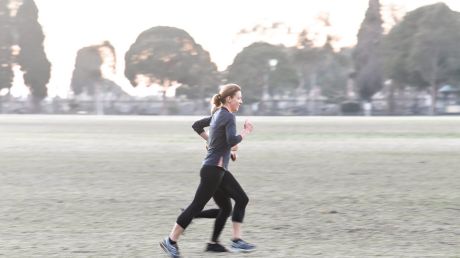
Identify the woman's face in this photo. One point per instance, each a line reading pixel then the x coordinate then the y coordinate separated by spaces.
pixel 235 102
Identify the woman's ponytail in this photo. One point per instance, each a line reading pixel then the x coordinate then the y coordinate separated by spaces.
pixel 216 102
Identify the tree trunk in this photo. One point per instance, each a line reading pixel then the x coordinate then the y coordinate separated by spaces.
pixel 433 80
pixel 434 96
pixel 98 103
pixel 391 98
pixel 164 104
pixel 367 108
pixel 36 105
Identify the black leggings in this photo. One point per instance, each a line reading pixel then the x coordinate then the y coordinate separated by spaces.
pixel 208 214
pixel 220 185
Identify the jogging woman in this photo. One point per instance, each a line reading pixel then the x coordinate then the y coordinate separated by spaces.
pixel 215 177
pixel 221 198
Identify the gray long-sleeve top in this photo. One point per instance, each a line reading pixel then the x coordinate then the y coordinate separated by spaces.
pixel 222 136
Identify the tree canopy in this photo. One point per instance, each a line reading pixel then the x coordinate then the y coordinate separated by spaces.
pixel 422 50
pixel 87 70
pixel 367 55
pixel 32 57
pixel 166 55
pixel 251 65
pixel 322 67
pixel 93 65
pixel 6 42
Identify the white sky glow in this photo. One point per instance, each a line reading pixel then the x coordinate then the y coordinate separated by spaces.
pixel 72 24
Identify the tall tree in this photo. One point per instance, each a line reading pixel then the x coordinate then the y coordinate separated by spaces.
pixel 94 66
pixel 32 57
pixel 306 58
pixel 251 69
pixel 333 72
pixel 168 55
pixel 321 66
pixel 87 71
pixel 6 42
pixel 109 56
pixel 367 55
pixel 422 50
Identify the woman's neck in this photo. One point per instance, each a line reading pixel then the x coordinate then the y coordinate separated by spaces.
pixel 227 107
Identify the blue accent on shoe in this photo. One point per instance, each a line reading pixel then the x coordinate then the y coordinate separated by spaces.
pixel 242 246
pixel 170 249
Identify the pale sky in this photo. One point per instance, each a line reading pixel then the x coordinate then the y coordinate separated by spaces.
pixel 72 24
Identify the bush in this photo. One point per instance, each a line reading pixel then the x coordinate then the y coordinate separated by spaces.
pixel 350 107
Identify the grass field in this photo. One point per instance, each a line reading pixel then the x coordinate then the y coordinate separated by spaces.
pixel 87 186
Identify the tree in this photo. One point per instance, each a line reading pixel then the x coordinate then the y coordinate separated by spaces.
pixel 306 58
pixel 367 55
pixel 422 50
pixel 6 43
pixel 168 55
pixel 93 66
pixel 108 56
pixel 87 70
pixel 333 72
pixel 251 70
pixel 321 66
pixel 32 57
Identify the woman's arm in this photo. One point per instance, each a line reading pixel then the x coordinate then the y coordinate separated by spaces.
pixel 199 126
pixel 230 131
pixel 204 135
pixel 232 138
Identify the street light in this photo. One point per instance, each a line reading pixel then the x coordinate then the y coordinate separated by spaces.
pixel 272 63
pixel 270 66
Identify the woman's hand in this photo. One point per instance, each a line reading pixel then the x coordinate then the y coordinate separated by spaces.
pixel 247 128
pixel 233 155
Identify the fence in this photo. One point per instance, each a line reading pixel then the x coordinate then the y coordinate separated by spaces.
pixel 298 106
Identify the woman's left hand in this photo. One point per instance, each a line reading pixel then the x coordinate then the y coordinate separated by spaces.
pixel 233 155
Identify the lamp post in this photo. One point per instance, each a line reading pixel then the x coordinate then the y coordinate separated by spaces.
pixel 272 67
pixel 265 90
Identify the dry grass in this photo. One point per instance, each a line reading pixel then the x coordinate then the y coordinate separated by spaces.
pixel 81 186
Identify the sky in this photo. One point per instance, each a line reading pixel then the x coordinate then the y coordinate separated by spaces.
pixel 72 24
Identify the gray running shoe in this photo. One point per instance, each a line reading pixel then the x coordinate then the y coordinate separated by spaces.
pixel 242 246
pixel 170 249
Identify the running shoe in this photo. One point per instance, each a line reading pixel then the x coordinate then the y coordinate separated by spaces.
pixel 170 249
pixel 216 248
pixel 242 246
